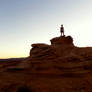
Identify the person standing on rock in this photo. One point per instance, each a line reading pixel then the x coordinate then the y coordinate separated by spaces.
pixel 62 30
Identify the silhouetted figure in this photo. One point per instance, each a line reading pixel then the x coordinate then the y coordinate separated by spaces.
pixel 62 30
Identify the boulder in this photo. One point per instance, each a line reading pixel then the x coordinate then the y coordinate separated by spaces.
pixel 62 40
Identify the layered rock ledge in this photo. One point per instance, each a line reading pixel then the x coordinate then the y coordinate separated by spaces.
pixel 60 58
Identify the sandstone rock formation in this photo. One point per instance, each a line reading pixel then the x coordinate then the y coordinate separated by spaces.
pixel 59 67
pixel 60 58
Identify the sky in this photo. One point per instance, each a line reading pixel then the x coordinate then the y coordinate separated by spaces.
pixel 24 22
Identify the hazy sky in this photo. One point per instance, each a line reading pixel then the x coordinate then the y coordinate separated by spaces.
pixel 23 22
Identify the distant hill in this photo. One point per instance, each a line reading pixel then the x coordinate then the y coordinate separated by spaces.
pixel 12 59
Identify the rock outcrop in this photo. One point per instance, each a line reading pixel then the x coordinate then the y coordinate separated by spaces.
pixel 59 67
pixel 58 47
pixel 60 58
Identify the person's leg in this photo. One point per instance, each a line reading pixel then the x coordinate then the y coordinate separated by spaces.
pixel 63 33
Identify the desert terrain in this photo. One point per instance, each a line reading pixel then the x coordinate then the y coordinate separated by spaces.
pixel 59 67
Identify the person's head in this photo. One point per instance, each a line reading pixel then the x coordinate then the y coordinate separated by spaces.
pixel 62 25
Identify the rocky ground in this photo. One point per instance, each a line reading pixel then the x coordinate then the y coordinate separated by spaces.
pixel 59 67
